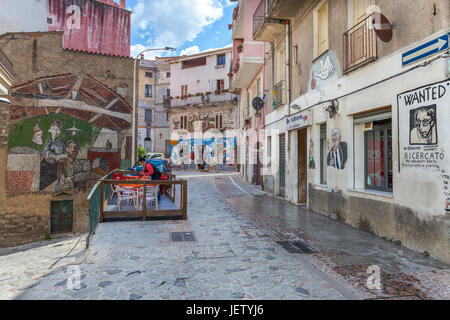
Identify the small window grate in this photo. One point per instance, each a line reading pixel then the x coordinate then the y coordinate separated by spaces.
pixel 182 236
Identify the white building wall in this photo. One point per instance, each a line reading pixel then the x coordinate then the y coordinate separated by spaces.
pixel 24 16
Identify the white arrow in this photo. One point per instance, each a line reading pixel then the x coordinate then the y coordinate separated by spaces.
pixel 438 45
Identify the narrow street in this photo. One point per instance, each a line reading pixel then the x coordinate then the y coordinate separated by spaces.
pixel 242 251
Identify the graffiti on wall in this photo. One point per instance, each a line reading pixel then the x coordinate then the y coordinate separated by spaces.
pixel 422 145
pixel 65 132
pixel 337 156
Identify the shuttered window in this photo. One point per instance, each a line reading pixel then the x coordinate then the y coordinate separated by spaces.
pixel 323 29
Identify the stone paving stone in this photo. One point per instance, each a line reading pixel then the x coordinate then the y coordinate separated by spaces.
pixel 234 258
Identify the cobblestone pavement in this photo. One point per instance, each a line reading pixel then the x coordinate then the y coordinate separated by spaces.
pixel 240 253
pixel 22 267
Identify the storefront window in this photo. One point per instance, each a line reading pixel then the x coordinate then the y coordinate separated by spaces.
pixel 378 157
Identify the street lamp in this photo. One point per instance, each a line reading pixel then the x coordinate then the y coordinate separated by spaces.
pixel 133 155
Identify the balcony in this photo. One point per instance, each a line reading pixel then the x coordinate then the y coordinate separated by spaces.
pixel 360 45
pixel 6 64
pixel 247 65
pixel 279 93
pixel 270 17
pixel 238 21
pixel 204 100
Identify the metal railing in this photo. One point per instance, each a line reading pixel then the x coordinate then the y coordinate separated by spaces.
pixel 6 63
pixel 360 45
pixel 259 16
pixel 279 93
pixel 203 99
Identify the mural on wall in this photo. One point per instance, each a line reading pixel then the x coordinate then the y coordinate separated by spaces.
pixel 422 125
pixel 422 146
pixel 337 156
pixel 64 132
pixel 323 70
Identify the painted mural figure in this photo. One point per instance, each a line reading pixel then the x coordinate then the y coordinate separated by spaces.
pixel 66 168
pixel 337 157
pixel 423 126
pixel 55 148
pixel 37 134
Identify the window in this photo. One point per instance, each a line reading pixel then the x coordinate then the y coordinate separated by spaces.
pixel 148 115
pixel 360 10
pixel 323 154
pixel 184 90
pixel 219 123
pixel 282 65
pixel 221 60
pixel 168 93
pixel 168 75
pixel 148 91
pixel 149 74
pixel 183 122
pixel 378 156
pixel 220 85
pixel 167 116
pixel 258 88
pixel 322 29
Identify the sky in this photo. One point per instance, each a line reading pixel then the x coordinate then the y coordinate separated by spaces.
pixel 190 26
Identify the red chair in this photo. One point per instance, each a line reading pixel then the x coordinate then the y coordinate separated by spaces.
pixel 163 187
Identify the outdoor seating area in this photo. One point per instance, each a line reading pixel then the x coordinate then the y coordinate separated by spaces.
pixel 128 196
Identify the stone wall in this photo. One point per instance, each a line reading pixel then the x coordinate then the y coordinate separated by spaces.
pixel 91 119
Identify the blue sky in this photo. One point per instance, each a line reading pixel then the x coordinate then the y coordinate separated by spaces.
pixel 191 26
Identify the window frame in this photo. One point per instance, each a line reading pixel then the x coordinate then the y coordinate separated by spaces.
pixel 385 127
pixel 148 93
pixel 148 112
pixel 148 74
pixel 219 58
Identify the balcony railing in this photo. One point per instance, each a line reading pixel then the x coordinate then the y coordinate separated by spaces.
pixel 279 93
pixel 203 100
pixel 6 63
pixel 259 16
pixel 360 45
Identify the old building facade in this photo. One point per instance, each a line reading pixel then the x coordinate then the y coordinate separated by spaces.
pixel 248 73
pixel 96 26
pixel 66 129
pixel 203 111
pixel 358 112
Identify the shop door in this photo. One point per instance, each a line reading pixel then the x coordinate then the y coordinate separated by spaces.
pixel 282 165
pixel 302 166
pixel 61 216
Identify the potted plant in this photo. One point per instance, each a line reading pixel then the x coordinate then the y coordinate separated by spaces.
pixel 208 93
pixel 217 91
pixel 190 95
pixel 177 97
pixel 240 48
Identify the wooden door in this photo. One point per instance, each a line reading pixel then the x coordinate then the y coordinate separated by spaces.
pixel 61 216
pixel 302 166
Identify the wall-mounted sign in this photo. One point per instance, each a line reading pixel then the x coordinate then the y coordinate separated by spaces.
pixel 383 29
pixel 299 120
pixel 426 50
pixel 424 132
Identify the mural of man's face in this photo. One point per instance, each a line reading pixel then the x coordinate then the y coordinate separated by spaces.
pixel 335 141
pixel 424 123
pixel 55 131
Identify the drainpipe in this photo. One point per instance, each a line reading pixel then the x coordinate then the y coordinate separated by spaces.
pixel 288 104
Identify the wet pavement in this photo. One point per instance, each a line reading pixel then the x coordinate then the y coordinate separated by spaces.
pixel 241 251
pixel 343 252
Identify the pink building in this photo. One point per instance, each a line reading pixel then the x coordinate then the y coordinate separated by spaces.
pixel 248 75
pixel 96 26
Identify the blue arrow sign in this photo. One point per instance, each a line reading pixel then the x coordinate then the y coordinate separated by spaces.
pixel 425 50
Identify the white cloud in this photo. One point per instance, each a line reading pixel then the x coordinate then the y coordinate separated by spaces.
pixel 173 23
pixel 190 50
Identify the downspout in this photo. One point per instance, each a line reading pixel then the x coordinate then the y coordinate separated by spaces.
pixel 288 104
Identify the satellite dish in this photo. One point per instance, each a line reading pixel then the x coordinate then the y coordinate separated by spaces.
pixel 257 103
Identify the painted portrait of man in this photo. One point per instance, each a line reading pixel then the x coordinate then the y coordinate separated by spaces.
pixel 337 157
pixel 423 126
